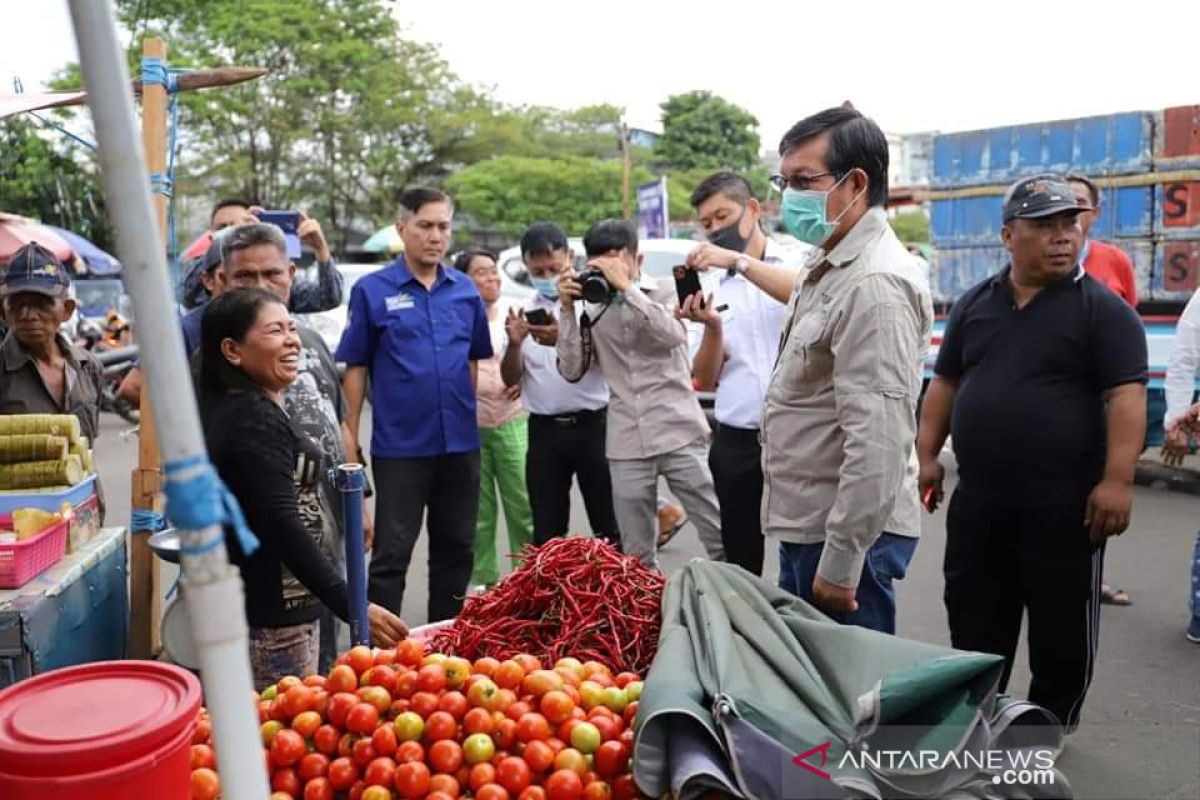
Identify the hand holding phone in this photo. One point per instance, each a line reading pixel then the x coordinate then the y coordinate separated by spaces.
pixel 537 316
pixel 687 283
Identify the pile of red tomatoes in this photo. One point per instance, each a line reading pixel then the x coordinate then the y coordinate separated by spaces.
pixel 403 723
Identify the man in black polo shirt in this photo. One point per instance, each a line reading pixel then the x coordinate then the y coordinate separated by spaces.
pixel 1041 380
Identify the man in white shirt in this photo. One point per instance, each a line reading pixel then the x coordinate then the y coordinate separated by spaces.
pixel 566 420
pixel 734 353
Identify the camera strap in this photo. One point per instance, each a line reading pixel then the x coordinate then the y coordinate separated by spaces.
pixel 586 343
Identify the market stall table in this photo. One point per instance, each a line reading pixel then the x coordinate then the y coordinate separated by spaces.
pixel 74 613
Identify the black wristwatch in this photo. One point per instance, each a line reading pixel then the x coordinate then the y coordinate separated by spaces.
pixel 368 490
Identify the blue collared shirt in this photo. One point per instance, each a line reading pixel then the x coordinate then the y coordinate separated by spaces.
pixel 190 322
pixel 417 344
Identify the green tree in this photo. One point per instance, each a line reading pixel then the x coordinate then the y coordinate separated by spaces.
pixel 510 192
pixel 704 131
pixel 911 227
pixel 51 179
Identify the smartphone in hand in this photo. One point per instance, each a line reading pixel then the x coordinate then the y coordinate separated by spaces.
pixel 687 283
pixel 286 221
pixel 537 316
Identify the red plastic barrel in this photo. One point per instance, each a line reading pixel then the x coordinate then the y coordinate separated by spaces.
pixel 113 730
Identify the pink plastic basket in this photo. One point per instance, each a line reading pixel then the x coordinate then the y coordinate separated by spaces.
pixel 23 561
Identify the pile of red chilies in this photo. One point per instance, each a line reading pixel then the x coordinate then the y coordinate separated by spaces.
pixel 572 597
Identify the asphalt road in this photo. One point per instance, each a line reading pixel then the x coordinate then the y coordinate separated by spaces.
pixel 1140 736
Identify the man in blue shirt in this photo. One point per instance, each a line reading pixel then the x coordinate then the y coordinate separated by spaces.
pixel 417 328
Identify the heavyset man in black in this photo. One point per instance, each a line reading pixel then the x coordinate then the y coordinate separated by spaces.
pixel 1041 382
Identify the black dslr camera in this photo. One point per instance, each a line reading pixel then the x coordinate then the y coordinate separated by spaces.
pixel 595 287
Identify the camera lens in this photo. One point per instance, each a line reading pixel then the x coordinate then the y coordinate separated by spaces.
pixel 595 287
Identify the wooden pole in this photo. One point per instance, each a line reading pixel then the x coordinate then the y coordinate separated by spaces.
pixel 626 169
pixel 144 583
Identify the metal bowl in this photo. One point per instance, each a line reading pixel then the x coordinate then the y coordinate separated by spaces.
pixel 165 545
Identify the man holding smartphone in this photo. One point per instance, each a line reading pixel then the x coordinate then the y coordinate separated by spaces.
pixel 655 425
pixel 736 352
pixel 566 420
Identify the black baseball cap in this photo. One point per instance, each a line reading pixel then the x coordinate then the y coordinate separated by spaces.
pixel 1039 196
pixel 33 268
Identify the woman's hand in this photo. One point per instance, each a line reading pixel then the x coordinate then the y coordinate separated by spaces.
pixel 386 627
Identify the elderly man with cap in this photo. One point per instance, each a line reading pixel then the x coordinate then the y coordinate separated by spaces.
pixel 43 372
pixel 1041 380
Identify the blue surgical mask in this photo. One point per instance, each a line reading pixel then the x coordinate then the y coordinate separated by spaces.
pixel 804 213
pixel 546 287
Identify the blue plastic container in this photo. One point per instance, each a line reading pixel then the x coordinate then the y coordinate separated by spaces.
pixel 48 501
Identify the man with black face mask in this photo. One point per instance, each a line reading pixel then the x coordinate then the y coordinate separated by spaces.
pixel 735 355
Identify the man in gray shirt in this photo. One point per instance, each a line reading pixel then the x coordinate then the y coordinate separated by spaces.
pixel 655 423
pixel 839 424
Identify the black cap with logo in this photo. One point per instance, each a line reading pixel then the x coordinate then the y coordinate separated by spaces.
pixel 33 268
pixel 1039 196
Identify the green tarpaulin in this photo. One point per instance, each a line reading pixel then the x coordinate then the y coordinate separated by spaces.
pixel 748 677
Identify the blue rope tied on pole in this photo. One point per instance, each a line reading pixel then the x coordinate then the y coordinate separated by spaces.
pixel 155 71
pixel 147 520
pixel 198 500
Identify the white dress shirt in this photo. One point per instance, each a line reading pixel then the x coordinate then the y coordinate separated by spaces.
pixel 543 390
pixel 1180 383
pixel 752 324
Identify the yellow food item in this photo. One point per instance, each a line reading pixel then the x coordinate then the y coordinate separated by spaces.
pixel 40 474
pixel 57 424
pixel 31 521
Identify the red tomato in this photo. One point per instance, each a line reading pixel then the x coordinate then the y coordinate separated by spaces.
pixel 205 784
pixel 325 740
pixel 563 785
pixel 571 760
pixel 306 723
pixel 339 706
pixel 380 772
pixel 509 674
pixel 630 712
pixel 625 678
pixel 532 793
pixel 431 678
pixel 203 732
pixel 446 784
pixel 372 793
pixel 346 744
pixel 454 703
pixel 513 774
pixel 363 753
pixel 445 755
pixel 406 684
pixel 480 775
pixel 341 679
pixel 564 730
pixel 607 726
pixel 313 765
pixel 376 696
pixel 383 676
pixel 623 788
pixel 285 780
pixel 287 748
pixel 342 774
pixel 485 666
pixel 491 791
pixel 363 718
pixel 410 652
pixel 360 659
pixel 539 755
pixel 203 756
pixel 528 663
pixel 597 790
pixel 505 734
pixel 412 780
pixel 478 720
pixel 556 707
pixel 611 759
pixel 556 744
pixel 409 751
pixel 518 710
pixel 318 789
pixel 384 740
pixel 533 727
pixel 439 726
pixel 298 699
pixel 315 681
pixel 538 682
pixel 385 657
pixel 626 738
pixel 423 704
pixel 287 682
pixel 439 796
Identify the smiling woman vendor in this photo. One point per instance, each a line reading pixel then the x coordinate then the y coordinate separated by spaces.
pixel 250 353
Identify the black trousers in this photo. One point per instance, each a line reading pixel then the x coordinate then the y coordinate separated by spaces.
pixel 735 459
pixel 562 447
pixel 1004 561
pixel 448 487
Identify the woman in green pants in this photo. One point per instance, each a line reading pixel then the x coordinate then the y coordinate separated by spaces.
pixel 503 433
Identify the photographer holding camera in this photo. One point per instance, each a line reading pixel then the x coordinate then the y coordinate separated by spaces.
pixel 655 424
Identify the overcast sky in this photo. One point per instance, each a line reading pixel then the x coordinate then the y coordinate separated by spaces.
pixel 914 65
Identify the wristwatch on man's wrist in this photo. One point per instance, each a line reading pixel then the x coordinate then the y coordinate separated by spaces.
pixel 742 264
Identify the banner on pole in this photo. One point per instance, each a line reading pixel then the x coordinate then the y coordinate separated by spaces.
pixel 652 210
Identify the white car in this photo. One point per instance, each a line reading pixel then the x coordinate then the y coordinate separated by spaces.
pixel 330 324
